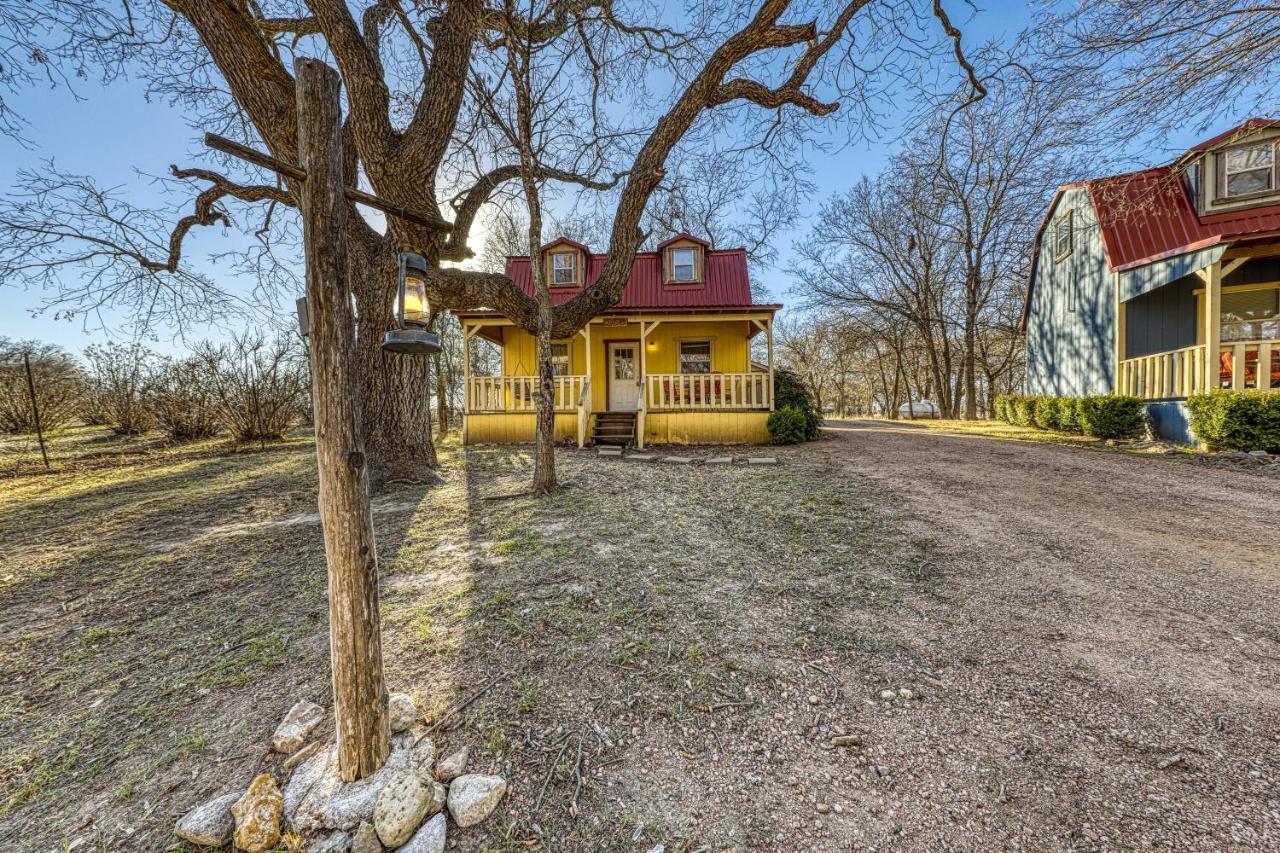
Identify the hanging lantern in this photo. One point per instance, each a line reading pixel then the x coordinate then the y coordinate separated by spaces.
pixel 410 334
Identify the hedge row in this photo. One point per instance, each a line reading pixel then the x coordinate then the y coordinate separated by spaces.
pixel 1101 417
pixel 1237 420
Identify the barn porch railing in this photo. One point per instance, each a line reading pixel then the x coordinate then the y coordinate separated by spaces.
pixel 1183 372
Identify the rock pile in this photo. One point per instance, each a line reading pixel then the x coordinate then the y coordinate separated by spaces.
pixel 403 806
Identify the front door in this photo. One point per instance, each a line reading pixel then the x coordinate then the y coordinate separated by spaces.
pixel 624 393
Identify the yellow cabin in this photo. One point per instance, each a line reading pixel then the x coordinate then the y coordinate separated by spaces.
pixel 670 363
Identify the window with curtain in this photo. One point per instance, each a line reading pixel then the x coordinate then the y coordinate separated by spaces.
pixel 695 356
pixel 1251 315
pixel 560 359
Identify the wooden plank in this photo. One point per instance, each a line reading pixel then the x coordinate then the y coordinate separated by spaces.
pixel 1264 366
pixel 1238 353
pixel 1212 323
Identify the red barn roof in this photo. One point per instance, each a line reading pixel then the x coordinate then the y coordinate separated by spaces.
pixel 725 282
pixel 1148 215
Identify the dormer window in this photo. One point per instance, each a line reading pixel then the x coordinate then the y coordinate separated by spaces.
pixel 684 264
pixel 1247 170
pixel 564 268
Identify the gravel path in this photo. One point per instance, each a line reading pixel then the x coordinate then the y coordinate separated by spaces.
pixel 1105 654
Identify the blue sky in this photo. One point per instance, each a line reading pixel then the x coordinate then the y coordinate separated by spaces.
pixel 112 131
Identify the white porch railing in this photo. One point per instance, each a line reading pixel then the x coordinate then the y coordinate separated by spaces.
pixel 693 391
pixel 1183 372
pixel 519 393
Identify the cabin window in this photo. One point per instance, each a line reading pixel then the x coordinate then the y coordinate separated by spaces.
pixel 1251 315
pixel 684 265
pixel 1062 236
pixel 1247 170
pixel 560 359
pixel 564 268
pixel 695 356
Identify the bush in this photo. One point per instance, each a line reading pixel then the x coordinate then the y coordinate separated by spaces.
pixel 1024 411
pixel 1067 414
pixel 788 425
pixel 789 391
pixel 116 393
pixel 1003 407
pixel 1109 416
pixel 1044 412
pixel 260 385
pixel 1237 420
pixel 180 396
pixel 57 379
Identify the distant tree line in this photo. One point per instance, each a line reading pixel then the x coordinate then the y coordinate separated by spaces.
pixel 254 387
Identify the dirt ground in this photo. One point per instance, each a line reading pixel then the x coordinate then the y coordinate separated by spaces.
pixel 662 654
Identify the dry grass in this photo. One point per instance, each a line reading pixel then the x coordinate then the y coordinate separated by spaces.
pixel 160 608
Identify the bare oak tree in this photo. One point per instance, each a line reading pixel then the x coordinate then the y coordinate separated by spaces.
pixel 413 132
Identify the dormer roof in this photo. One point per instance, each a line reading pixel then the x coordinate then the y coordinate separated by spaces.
pixel 1235 134
pixel 565 241
pixel 682 236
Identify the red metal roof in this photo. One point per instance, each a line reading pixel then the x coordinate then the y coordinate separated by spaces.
pixel 1148 215
pixel 725 285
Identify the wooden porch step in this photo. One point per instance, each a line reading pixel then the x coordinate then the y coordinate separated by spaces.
pixel 615 428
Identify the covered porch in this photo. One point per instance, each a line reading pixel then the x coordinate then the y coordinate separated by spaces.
pixel 685 377
pixel 1223 319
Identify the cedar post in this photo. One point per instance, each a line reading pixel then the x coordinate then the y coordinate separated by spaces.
pixel 355 641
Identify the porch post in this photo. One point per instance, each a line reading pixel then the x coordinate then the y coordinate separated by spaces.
pixel 1121 326
pixel 1212 326
pixel 768 331
pixel 586 331
pixel 466 378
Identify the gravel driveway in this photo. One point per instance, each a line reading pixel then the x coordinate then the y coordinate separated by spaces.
pixel 1106 646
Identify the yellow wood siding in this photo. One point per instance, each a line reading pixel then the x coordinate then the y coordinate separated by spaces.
pixel 706 428
pixel 515 428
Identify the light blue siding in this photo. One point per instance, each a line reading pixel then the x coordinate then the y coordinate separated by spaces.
pixel 1071 342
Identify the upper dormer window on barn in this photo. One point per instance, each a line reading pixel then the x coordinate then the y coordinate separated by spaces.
pixel 1247 170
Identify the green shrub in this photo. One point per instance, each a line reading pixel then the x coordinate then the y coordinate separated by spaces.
pixel 787 425
pixel 1044 412
pixel 789 391
pixel 1004 407
pixel 1024 411
pixel 1110 416
pixel 1066 415
pixel 1237 420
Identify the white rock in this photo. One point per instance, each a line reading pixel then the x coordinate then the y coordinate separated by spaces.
pixel 888 695
pixel 473 797
pixel 402 804
pixel 324 801
pixel 429 839
pixel 452 765
pixel 209 824
pixel 366 840
pixel 293 730
pixel 334 842
pixel 905 693
pixel 401 711
pixel 439 794
pixel 424 755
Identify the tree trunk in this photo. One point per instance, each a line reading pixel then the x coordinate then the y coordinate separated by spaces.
pixel 442 397
pixel 970 358
pixel 395 395
pixel 544 463
pixel 355 639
